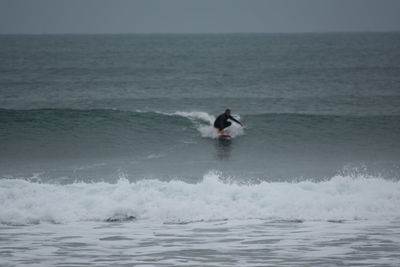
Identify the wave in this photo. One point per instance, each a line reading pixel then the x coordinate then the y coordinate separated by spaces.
pixel 105 126
pixel 103 119
pixel 270 145
pixel 35 115
pixel 214 198
pixel 155 120
pixel 119 129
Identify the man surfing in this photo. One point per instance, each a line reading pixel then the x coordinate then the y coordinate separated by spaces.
pixel 222 122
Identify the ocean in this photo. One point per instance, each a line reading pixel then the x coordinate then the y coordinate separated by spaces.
pixel 108 155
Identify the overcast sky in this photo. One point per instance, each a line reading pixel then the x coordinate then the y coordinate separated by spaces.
pixel 201 16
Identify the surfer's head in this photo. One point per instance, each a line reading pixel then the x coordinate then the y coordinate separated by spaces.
pixel 227 111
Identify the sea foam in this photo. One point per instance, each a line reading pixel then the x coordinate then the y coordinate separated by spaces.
pixel 205 121
pixel 340 198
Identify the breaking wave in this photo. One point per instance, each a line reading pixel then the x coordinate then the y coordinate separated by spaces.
pixel 214 198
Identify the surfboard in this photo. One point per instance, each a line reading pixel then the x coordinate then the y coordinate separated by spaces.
pixel 224 136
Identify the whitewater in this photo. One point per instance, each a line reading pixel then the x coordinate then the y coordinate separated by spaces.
pixel 214 198
pixel 219 220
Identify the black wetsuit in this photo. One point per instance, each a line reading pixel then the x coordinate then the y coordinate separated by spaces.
pixel 222 121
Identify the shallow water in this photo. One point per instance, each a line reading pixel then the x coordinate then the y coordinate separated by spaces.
pixel 213 243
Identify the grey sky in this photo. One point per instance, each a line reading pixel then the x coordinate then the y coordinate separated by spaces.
pixel 189 16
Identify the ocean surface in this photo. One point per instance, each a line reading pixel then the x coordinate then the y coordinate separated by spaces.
pixel 108 155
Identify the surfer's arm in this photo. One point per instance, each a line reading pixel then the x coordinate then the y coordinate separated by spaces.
pixel 235 120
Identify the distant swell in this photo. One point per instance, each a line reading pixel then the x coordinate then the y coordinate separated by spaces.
pixel 100 123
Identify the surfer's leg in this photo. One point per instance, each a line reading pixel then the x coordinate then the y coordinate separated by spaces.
pixel 227 124
pixel 221 130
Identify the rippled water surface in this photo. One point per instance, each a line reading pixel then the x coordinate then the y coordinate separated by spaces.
pixel 216 243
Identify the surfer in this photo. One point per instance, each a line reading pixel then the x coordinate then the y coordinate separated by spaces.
pixel 222 122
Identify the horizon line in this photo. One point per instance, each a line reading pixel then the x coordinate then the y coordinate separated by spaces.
pixel 203 33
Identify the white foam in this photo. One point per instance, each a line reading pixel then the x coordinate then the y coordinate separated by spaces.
pixel 199 115
pixel 205 123
pixel 341 198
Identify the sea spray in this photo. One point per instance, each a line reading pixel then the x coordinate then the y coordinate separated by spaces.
pixel 207 130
